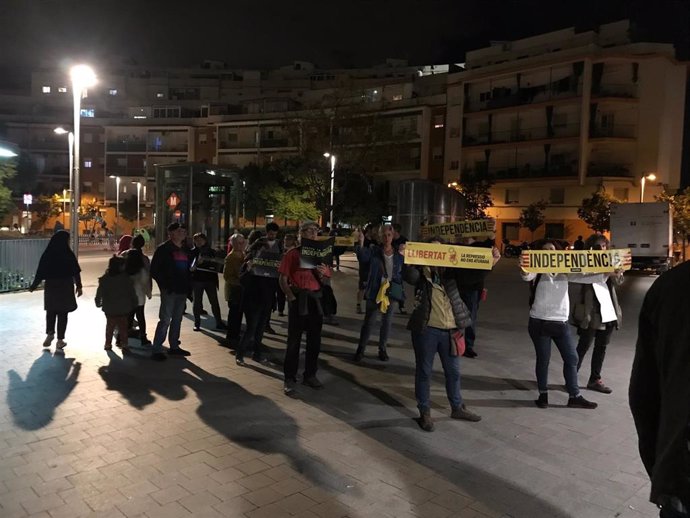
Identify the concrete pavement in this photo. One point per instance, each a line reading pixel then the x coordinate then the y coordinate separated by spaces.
pixel 90 433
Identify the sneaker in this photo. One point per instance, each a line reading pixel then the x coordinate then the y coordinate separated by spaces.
pixel 108 347
pixel 425 422
pixel 542 401
pixel 464 414
pixel 240 361
pixel 598 386
pixel 270 330
pixel 60 344
pixel 220 326
pixel 313 382
pixel 145 341
pixel 48 340
pixel 469 353
pixel 203 312
pixel 263 360
pixel 197 326
pixel 178 351
pixel 383 356
pixel 289 387
pixel 580 402
pixel 357 358
pixel 159 357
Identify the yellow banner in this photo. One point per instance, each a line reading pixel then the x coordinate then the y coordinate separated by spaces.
pixel 452 256
pixel 347 242
pixel 575 261
pixel 459 229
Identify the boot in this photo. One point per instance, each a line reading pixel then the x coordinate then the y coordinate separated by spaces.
pixel 425 422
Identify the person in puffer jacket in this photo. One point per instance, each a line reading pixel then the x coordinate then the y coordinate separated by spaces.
pixel 439 314
pixel 117 298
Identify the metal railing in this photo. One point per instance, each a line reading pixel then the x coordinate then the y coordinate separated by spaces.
pixel 522 135
pixel 18 262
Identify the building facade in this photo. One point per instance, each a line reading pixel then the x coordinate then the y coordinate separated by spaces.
pixel 556 116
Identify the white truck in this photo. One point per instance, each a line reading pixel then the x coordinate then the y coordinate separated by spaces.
pixel 647 229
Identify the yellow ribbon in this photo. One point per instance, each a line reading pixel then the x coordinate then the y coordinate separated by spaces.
pixel 382 296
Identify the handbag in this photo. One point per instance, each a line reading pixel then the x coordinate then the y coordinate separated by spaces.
pixel 457 343
pixel 396 292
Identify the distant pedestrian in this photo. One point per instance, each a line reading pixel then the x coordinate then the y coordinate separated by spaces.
pixel 579 244
pixel 398 241
pixel 124 244
pixel 59 268
pixel 233 288
pixel 138 267
pixel 660 390
pixel 170 270
pixel 117 297
pixel 204 281
pixel 366 239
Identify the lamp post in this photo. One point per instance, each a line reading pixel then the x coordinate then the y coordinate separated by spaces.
pixel 332 157
pixel 82 77
pixel 70 188
pixel 117 203
pixel 138 201
pixel 651 177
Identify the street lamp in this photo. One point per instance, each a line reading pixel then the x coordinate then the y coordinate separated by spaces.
pixel 651 177
pixel 332 157
pixel 117 203
pixel 82 77
pixel 138 200
pixel 70 188
pixel 7 150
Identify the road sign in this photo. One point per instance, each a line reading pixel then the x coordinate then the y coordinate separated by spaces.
pixel 28 199
pixel 173 200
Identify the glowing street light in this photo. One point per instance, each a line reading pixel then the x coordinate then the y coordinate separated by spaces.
pixel 651 177
pixel 70 188
pixel 332 157
pixel 82 77
pixel 117 203
pixel 138 184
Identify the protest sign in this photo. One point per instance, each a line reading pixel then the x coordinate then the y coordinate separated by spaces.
pixel 452 256
pixel 266 264
pixel 575 261
pixel 207 263
pixel 315 252
pixel 459 229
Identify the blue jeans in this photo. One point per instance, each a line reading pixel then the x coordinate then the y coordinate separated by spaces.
pixel 426 344
pixel 372 310
pixel 542 332
pixel 471 300
pixel 169 317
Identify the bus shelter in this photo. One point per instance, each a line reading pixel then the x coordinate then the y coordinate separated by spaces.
pixel 199 196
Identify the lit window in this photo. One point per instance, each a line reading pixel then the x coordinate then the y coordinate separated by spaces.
pixel 160 95
pixel 46 89
pixel 87 163
pixel 439 121
pixel 62 89
pixel 87 112
pixel 398 97
pixel 112 91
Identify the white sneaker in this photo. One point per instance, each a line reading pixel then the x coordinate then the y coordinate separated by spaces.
pixel 48 340
pixel 60 344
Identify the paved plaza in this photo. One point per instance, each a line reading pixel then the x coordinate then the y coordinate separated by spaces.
pixel 90 433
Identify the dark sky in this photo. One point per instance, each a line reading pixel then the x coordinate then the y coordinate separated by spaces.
pixel 270 33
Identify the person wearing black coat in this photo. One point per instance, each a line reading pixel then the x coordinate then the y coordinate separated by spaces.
pixel 660 390
pixel 204 281
pixel 59 268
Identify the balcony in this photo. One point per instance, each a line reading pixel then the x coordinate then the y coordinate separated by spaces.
pixel 612 170
pixel 507 97
pixel 522 135
pixel 275 142
pixel 526 171
pixel 48 144
pixel 126 146
pixel 237 144
pixel 122 170
pixel 626 131
pixel 625 91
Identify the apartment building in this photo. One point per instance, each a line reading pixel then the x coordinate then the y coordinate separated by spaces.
pixel 554 117
pixel 136 118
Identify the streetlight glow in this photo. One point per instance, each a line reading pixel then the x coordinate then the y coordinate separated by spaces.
pixel 332 157
pixel 117 203
pixel 60 130
pixel 651 177
pixel 82 77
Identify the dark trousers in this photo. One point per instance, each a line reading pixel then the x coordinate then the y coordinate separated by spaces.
pixel 211 292
pixel 471 300
pixel 141 319
pixel 256 319
pixel 119 322
pixel 600 338
pixel 61 318
pixel 280 299
pixel 542 333
pixel 298 324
